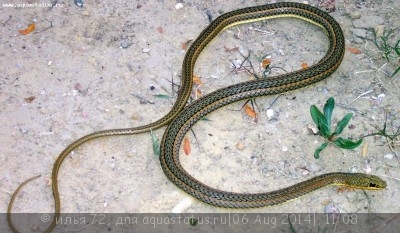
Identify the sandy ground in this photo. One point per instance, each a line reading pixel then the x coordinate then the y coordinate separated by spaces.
pixel 100 67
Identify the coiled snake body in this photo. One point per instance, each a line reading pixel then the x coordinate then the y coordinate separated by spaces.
pixel 181 120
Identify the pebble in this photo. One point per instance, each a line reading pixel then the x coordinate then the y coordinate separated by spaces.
pixel 379 30
pixel 331 209
pixel 314 167
pixel 85 13
pixel 124 44
pixel 182 206
pixel 313 129
pixel 24 130
pixel 270 113
pixel 240 145
pixel 366 21
pixel 325 90
pixel 355 15
pixel 359 32
pixel 179 6
pixel 388 156
pixel 146 50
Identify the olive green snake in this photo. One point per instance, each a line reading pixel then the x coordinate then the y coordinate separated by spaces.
pixel 181 117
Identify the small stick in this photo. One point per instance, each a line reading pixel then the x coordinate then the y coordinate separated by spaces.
pixel 142 98
pixel 386 223
pixel 6 191
pixel 51 25
pixel 364 71
pixel 361 95
pixel 9 18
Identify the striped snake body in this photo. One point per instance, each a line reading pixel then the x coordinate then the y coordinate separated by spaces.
pixel 181 120
pixel 176 130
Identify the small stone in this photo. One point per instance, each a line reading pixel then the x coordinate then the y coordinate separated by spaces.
pixel 146 50
pixel 85 13
pixel 379 30
pixel 304 171
pixel 314 167
pixel 240 145
pixel 370 21
pixel 270 113
pixel 359 32
pixel 357 40
pixel 388 156
pixel 313 129
pixel 355 15
pixel 182 206
pixel 135 117
pixel 179 6
pixel 24 130
pixel 124 44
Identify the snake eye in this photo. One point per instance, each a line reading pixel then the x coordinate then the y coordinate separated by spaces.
pixel 372 185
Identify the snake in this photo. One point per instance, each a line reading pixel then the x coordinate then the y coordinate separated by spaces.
pixel 182 116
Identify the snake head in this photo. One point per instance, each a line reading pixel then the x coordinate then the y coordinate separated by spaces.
pixel 370 182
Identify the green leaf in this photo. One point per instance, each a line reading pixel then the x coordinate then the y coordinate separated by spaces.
pixel 319 149
pixel 161 96
pixel 317 115
pixel 156 144
pixel 205 119
pixel 395 72
pixel 324 130
pixel 346 143
pixel 328 109
pixel 397 47
pixel 343 123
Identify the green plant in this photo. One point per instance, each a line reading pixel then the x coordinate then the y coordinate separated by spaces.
pixel 323 122
pixel 389 52
pixel 393 138
pixel 156 144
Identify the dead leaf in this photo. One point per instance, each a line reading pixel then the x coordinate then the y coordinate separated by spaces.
pixel 250 111
pixel 354 50
pixel 79 88
pixel 304 65
pixel 48 181
pixel 185 44
pixel 186 146
pixel 160 30
pixel 344 189
pixel 265 63
pixel 197 80
pixel 199 94
pixel 364 150
pixel 234 49
pixel 27 30
pixel 329 5
pixel 29 99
